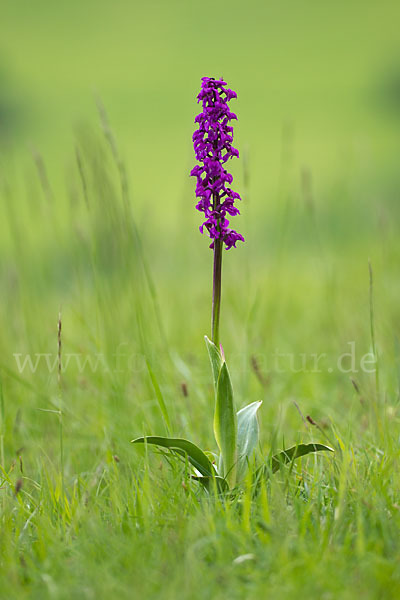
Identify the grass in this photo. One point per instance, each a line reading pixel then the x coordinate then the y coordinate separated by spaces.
pixel 110 237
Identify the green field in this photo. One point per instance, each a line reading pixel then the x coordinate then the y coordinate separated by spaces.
pixel 98 221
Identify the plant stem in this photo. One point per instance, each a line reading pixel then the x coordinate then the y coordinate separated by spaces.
pixel 60 414
pixel 216 300
pixel 372 326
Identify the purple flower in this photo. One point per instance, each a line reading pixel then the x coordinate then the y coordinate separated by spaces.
pixel 213 148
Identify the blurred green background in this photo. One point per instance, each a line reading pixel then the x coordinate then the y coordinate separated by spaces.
pixel 318 131
pixel 328 73
pixel 97 106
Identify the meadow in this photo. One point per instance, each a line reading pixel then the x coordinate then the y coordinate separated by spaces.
pixel 98 223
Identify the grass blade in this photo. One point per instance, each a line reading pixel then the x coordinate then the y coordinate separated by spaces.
pixel 220 483
pixel 159 397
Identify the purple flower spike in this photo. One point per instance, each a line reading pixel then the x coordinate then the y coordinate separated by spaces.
pixel 213 148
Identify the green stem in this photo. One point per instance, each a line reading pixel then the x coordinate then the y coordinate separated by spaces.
pixel 60 413
pixel 60 417
pixel 372 327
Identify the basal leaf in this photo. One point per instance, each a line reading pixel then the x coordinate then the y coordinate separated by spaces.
pixel 247 436
pixel 291 454
pixel 183 447
pixel 225 425
pixel 215 359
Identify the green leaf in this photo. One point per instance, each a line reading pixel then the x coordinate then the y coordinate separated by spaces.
pixel 208 482
pixel 247 427
pixel 291 454
pixel 215 360
pixel 225 425
pixel 183 447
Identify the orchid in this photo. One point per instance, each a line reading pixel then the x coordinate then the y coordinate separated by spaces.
pixel 236 432
pixel 213 148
